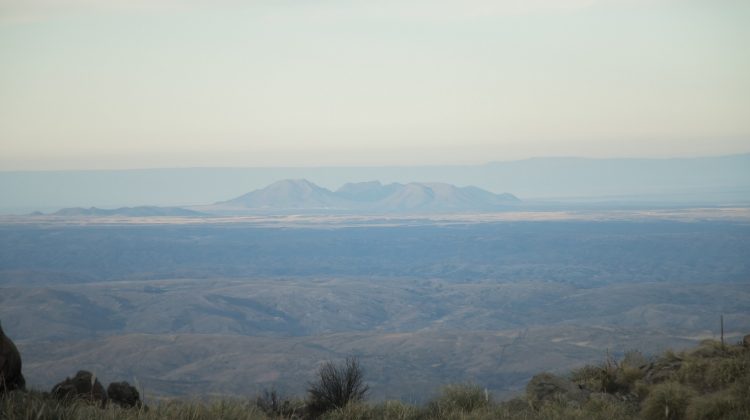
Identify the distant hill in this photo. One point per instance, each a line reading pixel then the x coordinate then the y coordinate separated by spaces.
pixel 300 194
pixel 141 211
pixel 288 194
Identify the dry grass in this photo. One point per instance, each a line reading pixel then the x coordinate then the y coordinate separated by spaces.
pixel 36 405
pixel 710 382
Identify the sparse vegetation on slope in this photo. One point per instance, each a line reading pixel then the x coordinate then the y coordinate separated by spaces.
pixel 711 381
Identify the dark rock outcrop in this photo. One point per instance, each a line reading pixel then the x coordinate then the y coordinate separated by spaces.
pixel 84 386
pixel 548 387
pixel 746 341
pixel 124 395
pixel 11 377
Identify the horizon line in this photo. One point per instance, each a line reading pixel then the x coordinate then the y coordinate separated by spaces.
pixel 559 157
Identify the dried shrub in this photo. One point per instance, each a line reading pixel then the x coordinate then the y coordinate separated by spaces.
pixel 273 405
pixel 337 386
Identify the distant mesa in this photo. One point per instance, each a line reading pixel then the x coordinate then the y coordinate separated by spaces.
pixel 300 194
pixel 141 211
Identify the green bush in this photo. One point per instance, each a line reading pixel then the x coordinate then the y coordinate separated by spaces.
pixel 741 390
pixel 464 398
pixel 667 401
pixel 589 376
pixel 716 406
pixel 641 389
pixel 612 377
pixel 709 374
pixel 630 370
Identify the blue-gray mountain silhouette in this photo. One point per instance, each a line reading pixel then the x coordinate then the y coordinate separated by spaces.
pixel 301 194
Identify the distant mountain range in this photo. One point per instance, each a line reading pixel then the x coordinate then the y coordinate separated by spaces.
pixel 300 194
pixel 140 211
pixel 682 182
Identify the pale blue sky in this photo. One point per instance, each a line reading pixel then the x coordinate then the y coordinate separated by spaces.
pixel 90 84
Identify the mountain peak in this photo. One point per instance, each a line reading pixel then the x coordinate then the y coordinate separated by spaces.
pixel 287 194
pixel 300 182
pixel 371 196
pixel 294 185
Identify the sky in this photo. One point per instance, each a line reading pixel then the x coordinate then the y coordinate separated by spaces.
pixel 116 84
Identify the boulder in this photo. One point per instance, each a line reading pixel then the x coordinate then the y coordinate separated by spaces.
pixel 548 387
pixel 124 395
pixel 10 365
pixel 84 386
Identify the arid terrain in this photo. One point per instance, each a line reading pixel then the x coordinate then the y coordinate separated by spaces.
pixel 200 306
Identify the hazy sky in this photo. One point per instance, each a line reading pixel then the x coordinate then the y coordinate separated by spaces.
pixel 162 83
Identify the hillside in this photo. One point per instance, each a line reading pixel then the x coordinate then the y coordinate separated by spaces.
pixel 231 309
pixel 708 382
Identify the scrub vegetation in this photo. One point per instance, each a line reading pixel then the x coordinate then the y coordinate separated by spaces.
pixel 710 381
